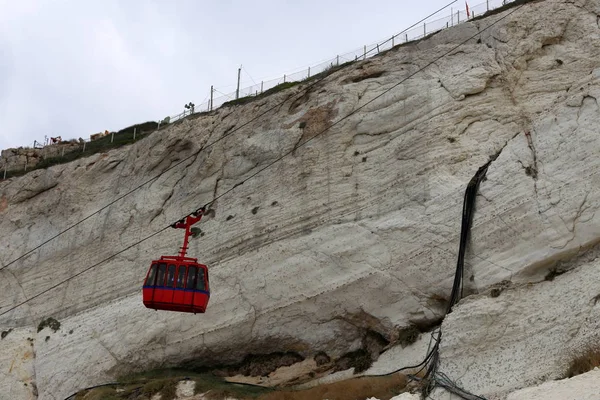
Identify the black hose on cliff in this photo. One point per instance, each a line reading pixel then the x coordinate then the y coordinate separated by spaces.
pixel 72 397
pixel 465 230
pixel 433 376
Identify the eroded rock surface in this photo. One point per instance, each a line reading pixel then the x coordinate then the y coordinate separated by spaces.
pixel 581 387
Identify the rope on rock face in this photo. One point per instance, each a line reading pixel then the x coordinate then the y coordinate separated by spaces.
pixel 467 219
pixel 74 395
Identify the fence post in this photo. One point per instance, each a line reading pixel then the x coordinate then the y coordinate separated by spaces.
pixel 377 48
pixel 134 129
pixel 365 52
pixel 261 86
pixel 458 17
pixel 283 78
pixel 211 97
pixel 158 127
pixel 83 147
pixel 237 91
pixel 393 40
pixel 308 72
pixel 337 58
pixel 487 2
pixel 406 37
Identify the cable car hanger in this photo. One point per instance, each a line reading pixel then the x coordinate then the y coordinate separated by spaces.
pixel 186 223
pixel 179 283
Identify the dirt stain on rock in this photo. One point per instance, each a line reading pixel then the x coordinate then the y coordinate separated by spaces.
pixel 3 203
pixel 315 121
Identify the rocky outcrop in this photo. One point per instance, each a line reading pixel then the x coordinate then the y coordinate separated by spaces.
pixel 23 159
pixel 355 232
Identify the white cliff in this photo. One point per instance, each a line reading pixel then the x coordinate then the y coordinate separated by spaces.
pixel 356 231
pixel 581 387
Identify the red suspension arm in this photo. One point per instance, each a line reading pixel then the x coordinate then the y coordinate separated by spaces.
pixel 186 224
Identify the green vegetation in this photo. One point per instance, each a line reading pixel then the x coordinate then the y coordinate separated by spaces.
pixel 143 385
pixel 166 387
pixel 360 360
pixel 220 389
pixel 408 335
pixel 247 99
pixel 147 376
pixel 103 393
pixel 286 85
pixel 384 388
pixel 503 8
pixel 50 323
pixel 101 145
pixel 264 364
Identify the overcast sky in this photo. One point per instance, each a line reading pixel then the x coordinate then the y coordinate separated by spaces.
pixel 74 68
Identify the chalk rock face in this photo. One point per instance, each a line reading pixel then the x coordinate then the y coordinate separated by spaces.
pixel 17 377
pixel 353 232
pixel 581 387
pixel 406 396
pixel 529 333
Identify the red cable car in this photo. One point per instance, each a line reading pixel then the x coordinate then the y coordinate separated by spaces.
pixel 178 283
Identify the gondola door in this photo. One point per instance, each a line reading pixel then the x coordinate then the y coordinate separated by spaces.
pixel 179 292
pixel 190 283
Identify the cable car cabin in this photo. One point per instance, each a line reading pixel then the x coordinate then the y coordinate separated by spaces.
pixel 176 283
